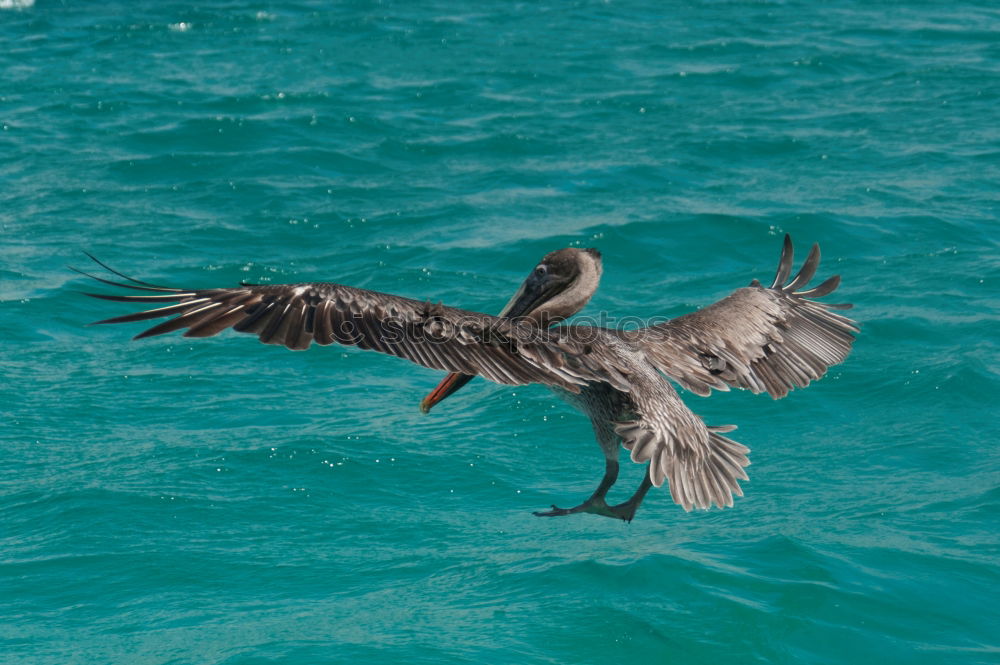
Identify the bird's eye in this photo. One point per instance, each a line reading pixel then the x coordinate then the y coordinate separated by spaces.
pixel 541 270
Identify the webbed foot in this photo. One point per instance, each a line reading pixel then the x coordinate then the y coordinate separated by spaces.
pixel 594 506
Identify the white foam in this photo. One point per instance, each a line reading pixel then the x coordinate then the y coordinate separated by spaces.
pixel 16 4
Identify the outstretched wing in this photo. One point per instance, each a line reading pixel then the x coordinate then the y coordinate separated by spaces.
pixel 769 339
pixel 435 336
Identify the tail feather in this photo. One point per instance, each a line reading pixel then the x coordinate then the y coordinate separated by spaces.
pixel 700 482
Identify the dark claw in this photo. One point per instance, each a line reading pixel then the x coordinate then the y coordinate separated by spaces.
pixel 624 512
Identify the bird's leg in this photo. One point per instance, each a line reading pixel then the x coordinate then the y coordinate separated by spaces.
pixel 626 510
pixel 596 503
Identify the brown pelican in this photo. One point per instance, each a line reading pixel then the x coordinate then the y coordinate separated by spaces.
pixel 764 339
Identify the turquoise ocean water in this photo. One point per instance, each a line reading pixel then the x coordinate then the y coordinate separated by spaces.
pixel 222 502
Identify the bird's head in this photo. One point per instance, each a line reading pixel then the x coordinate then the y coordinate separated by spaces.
pixel 558 287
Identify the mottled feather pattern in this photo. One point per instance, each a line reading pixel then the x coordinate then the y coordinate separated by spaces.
pixel 701 467
pixel 651 421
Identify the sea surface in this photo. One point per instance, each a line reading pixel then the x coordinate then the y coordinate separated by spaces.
pixel 221 502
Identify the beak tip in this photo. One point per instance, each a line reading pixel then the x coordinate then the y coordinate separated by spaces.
pixel 448 386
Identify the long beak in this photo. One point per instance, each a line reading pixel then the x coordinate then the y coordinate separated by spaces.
pixel 519 301
pixel 524 301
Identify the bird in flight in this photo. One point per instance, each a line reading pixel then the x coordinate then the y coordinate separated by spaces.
pixel 760 338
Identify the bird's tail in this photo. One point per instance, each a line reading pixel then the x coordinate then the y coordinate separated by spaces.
pixel 698 482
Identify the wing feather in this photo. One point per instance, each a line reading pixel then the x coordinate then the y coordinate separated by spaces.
pixel 764 339
pixel 322 325
pixel 435 336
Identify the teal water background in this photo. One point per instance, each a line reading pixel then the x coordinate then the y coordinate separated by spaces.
pixel 222 502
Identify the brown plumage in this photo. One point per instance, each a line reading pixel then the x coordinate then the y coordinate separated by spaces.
pixel 764 339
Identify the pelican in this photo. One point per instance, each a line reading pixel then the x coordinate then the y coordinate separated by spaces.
pixel 763 339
